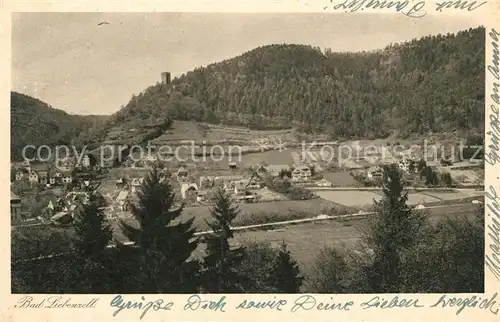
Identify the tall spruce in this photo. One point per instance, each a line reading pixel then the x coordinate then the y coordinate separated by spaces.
pixel 221 274
pixel 395 228
pixel 285 275
pixel 86 272
pixel 93 234
pixel 165 243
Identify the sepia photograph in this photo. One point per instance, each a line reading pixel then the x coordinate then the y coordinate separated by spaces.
pixel 186 153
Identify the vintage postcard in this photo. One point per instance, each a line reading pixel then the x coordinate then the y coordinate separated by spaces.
pixel 296 160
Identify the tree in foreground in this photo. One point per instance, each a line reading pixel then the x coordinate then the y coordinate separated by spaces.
pixel 395 228
pixel 257 266
pixel 285 274
pixel 93 234
pixel 165 244
pixel 221 273
pixel 328 272
pixel 449 260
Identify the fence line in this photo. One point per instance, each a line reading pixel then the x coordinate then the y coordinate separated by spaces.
pixel 359 215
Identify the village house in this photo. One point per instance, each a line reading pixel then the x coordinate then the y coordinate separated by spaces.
pixel 255 181
pixel 241 191
pixel 121 202
pixel 86 161
pixel 375 173
pixel 227 182
pixel 38 173
pixel 182 174
pixel 62 210
pixel 26 162
pixel 56 177
pixel 33 176
pixel 240 187
pixel 232 165
pixel 15 208
pixel 22 174
pixel 244 186
pixel 150 159
pixel 55 205
pixel 67 177
pixel 164 174
pixel 75 208
pixel 43 177
pixel 259 169
pixel 129 163
pixel 275 170
pixel 301 173
pixel 201 196
pixel 68 214
pixel 121 183
pixel 187 189
pixel 66 164
pixel 246 197
pixel 83 178
pixel 207 182
pixel 136 184
pixel 404 165
pixel 323 183
pixel 77 196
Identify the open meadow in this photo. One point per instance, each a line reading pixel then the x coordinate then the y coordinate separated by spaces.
pixel 255 213
pixel 306 240
pixel 362 199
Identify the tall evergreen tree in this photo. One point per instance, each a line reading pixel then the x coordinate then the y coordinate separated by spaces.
pixel 165 244
pixel 93 234
pixel 285 275
pixel 221 263
pixel 86 272
pixel 257 267
pixel 328 272
pixel 395 228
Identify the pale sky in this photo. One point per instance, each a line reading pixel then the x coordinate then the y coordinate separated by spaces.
pixel 68 61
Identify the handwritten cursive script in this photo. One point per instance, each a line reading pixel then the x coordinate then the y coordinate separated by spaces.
pixel 492 156
pixel 473 301
pixel 396 301
pixel 55 302
pixel 493 210
pixel 410 8
pixel 195 302
pixel 308 302
pixel 459 4
pixel 415 10
pixel 273 305
pixel 143 305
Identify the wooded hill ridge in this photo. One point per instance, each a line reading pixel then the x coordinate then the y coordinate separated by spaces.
pixel 433 84
pixel 430 85
pixel 33 122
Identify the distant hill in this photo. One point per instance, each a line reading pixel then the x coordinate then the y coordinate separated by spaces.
pixel 34 122
pixel 434 84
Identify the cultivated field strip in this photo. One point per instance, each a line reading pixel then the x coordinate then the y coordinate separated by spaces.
pixel 435 211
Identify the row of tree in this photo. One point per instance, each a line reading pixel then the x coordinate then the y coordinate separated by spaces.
pixel 400 252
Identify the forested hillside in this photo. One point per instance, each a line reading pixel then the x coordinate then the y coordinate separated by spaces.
pixel 433 84
pixel 33 122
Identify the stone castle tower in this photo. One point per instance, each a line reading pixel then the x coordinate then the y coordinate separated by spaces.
pixel 165 78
